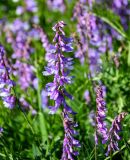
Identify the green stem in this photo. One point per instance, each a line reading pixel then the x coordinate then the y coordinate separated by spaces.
pixel 95 152
pixel 42 125
pixel 128 60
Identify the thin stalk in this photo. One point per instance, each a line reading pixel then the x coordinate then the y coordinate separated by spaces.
pixel 95 152
pixel 42 125
pixel 128 60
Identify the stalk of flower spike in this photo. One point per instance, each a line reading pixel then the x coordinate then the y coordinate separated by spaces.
pixel 6 84
pixel 60 66
pixel 113 134
pixel 101 128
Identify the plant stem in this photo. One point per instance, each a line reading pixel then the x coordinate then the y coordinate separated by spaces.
pixel 42 126
pixel 95 152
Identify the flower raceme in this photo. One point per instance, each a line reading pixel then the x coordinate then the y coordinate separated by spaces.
pixel 101 128
pixel 113 134
pixel 60 66
pixel 6 83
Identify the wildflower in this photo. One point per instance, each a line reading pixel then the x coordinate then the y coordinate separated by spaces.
pixel 60 66
pixel 1 130
pixel 44 99
pixel 69 142
pixel 93 38
pixel 91 117
pixel 25 74
pixel 56 5
pixel 113 134
pixel 101 128
pixel 121 7
pixel 18 36
pixel 45 42
pixel 31 5
pixel 6 84
pixel 87 96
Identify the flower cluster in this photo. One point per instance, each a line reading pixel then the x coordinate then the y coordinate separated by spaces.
pixel 113 134
pixel 93 38
pixel 6 84
pixel 60 66
pixel 30 6
pixel 45 42
pixel 121 7
pixel 43 38
pixel 100 116
pixel 56 5
pixel 69 143
pixel 18 36
pixel 25 72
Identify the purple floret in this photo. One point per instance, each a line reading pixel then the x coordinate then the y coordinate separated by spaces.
pixel 101 128
pixel 6 84
pixel 113 134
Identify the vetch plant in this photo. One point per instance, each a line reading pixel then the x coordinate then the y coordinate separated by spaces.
pixel 60 66
pixel 101 127
pixel 113 134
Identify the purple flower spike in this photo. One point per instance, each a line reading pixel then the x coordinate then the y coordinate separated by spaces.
pixel 69 142
pixel 5 83
pixel 113 133
pixel 45 42
pixel 60 66
pixel 101 128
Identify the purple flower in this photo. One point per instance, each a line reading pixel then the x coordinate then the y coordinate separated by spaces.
pixel 19 10
pixel 25 74
pixel 43 38
pixel 113 134
pixel 6 84
pixel 69 142
pixel 1 130
pixel 26 106
pixel 44 99
pixel 91 117
pixel 31 5
pixel 92 37
pixel 121 7
pixel 60 66
pixel 87 96
pixel 101 128
pixel 56 5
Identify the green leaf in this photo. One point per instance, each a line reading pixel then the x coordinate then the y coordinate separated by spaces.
pixel 128 60
pixel 110 18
